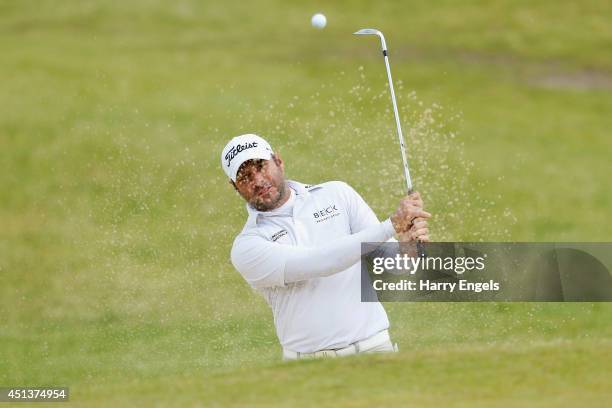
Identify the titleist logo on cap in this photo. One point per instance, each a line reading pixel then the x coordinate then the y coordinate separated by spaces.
pixel 229 156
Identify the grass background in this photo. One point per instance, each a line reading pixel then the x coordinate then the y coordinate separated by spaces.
pixel 116 220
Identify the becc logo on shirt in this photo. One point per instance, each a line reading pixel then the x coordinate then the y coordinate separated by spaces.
pixel 325 213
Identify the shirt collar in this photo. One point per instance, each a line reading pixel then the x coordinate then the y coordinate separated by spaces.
pixel 301 192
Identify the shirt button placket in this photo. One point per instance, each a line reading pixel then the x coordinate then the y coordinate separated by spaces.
pixel 301 235
pixel 299 231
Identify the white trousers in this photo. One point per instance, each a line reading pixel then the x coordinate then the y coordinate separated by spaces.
pixel 378 343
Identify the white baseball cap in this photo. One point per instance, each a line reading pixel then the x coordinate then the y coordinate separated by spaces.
pixel 243 148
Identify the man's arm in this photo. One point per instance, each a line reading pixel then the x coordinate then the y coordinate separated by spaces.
pixel 264 263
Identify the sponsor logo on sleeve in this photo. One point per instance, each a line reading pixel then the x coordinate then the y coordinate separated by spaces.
pixel 278 235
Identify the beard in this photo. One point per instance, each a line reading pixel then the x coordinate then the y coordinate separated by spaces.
pixel 261 204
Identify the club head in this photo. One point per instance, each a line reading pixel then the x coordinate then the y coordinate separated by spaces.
pixel 373 31
pixel 367 31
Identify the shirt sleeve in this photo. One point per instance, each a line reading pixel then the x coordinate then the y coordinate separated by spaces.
pixel 263 263
pixel 360 214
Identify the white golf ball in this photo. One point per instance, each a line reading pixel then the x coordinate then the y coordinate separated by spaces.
pixel 318 21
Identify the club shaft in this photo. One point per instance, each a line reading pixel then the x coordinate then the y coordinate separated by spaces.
pixel 369 31
pixel 419 245
pixel 400 135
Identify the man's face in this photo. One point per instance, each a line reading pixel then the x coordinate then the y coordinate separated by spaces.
pixel 261 183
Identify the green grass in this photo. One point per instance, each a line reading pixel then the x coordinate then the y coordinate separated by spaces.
pixel 116 220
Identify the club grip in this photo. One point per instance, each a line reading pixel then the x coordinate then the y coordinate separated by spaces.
pixel 421 249
pixel 419 245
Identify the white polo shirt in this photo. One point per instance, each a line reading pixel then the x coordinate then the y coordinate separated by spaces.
pixel 304 258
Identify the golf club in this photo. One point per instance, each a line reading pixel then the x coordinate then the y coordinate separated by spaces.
pixel 409 186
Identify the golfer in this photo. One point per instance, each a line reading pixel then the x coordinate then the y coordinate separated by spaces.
pixel 301 249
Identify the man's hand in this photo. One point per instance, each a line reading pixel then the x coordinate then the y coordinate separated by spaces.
pixel 419 231
pixel 409 214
